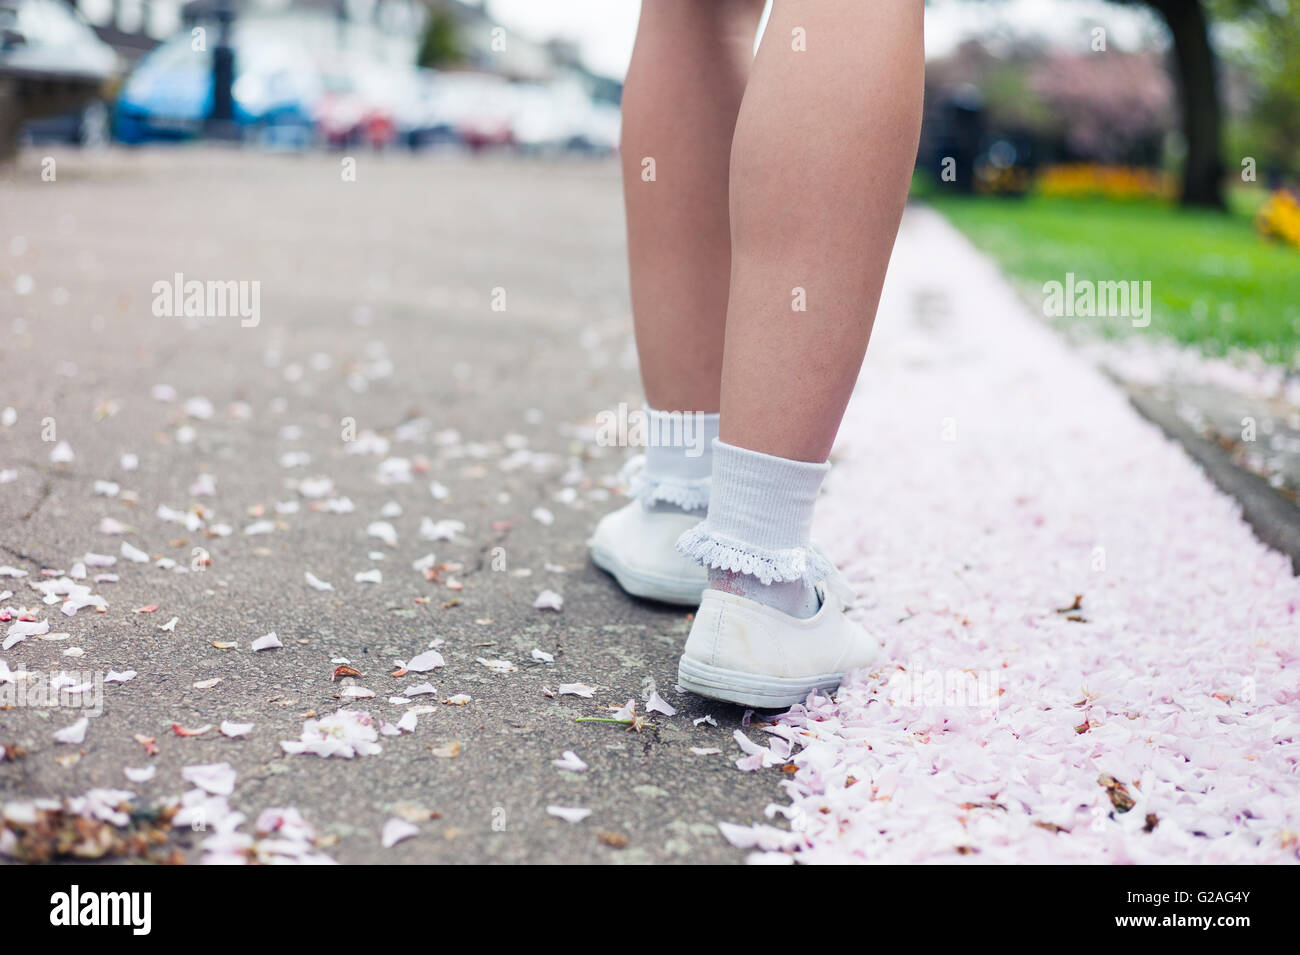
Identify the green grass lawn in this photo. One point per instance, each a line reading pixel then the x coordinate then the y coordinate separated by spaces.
pixel 1214 282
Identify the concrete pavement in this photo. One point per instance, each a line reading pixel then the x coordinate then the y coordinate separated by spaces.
pixel 479 304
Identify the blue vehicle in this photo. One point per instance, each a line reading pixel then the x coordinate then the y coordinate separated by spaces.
pixel 169 94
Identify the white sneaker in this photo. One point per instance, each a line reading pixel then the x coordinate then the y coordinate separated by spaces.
pixel 745 652
pixel 639 548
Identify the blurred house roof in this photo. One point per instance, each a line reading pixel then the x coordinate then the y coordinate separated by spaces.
pixel 492 48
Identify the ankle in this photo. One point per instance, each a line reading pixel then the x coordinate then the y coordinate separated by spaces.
pixel 676 474
pixel 794 597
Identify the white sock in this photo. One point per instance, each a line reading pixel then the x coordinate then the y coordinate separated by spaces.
pixel 755 538
pixel 678 461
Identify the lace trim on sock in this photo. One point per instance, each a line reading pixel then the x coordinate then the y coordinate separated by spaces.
pixel 809 564
pixel 689 495
pixel 714 551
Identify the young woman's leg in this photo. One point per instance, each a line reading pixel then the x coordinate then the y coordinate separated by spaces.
pixel 683 92
pixel 820 166
pixel 821 160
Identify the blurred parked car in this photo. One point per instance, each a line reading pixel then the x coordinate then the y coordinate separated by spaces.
pixel 421 119
pixel 540 122
pixel 169 95
pixel 561 116
pixel 599 129
pixel 57 68
pixel 360 103
pixel 478 107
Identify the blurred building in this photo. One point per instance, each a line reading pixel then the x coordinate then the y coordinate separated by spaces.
pixel 134 27
pixel 567 61
pixel 490 48
pixel 131 27
pixel 384 30
pixel 388 30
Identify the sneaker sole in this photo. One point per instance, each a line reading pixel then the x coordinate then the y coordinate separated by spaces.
pixel 750 689
pixel 652 587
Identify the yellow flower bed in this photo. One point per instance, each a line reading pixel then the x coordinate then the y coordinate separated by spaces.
pixel 1094 180
pixel 1001 180
pixel 1279 218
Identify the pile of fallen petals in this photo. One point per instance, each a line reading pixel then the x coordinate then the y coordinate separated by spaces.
pixel 1087 655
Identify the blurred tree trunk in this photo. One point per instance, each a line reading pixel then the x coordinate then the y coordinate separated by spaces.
pixel 1198 88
